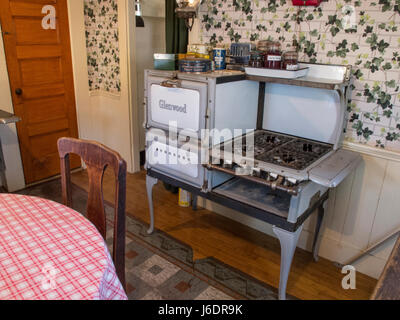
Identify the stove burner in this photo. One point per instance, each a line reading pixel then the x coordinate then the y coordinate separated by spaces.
pixel 287 151
pixel 307 147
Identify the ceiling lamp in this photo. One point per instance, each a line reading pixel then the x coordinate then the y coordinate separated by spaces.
pixel 187 9
pixel 138 14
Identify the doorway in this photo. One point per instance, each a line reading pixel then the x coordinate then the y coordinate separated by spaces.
pixel 38 54
pixel 150 39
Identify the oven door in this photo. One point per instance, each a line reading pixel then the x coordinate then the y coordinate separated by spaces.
pixel 180 160
pixel 333 170
pixel 180 101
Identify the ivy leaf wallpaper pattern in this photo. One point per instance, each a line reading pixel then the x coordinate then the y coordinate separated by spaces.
pixel 102 43
pixel 364 34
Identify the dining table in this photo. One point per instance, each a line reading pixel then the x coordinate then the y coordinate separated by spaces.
pixel 51 252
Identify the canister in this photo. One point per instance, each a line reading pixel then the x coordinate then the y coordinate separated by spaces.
pixel 219 58
pixel 273 58
pixel 198 50
pixel 185 198
pixel 164 61
pixel 256 59
pixel 290 60
pixel 195 65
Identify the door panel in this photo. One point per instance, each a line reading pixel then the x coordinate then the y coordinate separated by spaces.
pixel 40 65
pixel 29 9
pixel 44 128
pixel 37 52
pixel 30 32
pixel 46 144
pixel 40 71
pixel 43 91
pixel 46 109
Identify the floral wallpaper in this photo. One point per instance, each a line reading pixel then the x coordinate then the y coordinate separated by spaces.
pixel 364 34
pixel 102 42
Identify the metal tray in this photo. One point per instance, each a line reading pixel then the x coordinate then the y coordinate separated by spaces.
pixel 275 73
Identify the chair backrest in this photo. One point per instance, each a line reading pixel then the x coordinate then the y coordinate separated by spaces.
pixel 97 158
pixel 388 287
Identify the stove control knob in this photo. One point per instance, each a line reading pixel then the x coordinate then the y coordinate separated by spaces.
pixel 278 182
pixel 256 172
pixel 272 176
pixel 286 183
pixel 228 164
pixel 264 175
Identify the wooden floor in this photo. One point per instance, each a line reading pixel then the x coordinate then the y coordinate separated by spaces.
pixel 241 247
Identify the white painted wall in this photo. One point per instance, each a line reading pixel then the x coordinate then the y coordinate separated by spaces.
pixel 104 117
pixel 153 8
pixel 13 179
pixel 150 41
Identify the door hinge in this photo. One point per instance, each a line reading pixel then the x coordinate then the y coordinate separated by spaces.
pixel 204 189
pixel 208 113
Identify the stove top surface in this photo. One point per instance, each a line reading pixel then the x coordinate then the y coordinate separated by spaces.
pixel 283 150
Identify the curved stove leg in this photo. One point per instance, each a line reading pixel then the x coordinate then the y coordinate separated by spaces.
pixel 288 242
pixel 321 213
pixel 150 183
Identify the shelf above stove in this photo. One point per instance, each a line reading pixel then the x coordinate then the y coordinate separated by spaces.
pixel 329 77
pixel 302 82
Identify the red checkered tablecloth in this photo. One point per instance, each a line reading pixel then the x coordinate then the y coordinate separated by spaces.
pixel 51 252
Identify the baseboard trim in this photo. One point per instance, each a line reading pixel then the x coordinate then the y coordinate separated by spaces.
pixel 371 151
pixel 58 176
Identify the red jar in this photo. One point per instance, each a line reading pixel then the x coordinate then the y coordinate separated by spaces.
pixel 273 58
pixel 290 61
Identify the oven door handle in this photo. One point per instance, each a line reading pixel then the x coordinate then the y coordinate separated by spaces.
pixel 171 84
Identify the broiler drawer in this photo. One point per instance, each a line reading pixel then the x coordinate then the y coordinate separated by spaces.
pixel 256 195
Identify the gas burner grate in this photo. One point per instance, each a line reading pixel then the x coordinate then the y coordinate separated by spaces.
pixel 297 154
pixel 264 142
pixel 283 150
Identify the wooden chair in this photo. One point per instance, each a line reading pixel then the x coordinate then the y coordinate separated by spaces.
pixel 97 158
pixel 388 287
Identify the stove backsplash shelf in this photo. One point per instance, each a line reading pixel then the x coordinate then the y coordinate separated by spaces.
pixel 328 77
pixel 301 124
pixel 313 107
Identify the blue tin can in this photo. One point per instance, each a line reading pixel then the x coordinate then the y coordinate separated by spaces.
pixel 219 55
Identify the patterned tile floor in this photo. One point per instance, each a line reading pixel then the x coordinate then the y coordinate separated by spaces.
pixel 151 277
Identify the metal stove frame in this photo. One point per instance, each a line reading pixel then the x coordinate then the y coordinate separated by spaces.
pixel 287 230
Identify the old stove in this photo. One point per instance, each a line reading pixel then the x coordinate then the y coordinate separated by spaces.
pixel 278 168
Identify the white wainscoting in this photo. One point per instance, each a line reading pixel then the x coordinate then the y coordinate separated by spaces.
pixel 363 210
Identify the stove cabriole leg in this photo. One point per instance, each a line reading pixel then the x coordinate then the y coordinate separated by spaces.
pixel 150 183
pixel 194 204
pixel 288 242
pixel 321 213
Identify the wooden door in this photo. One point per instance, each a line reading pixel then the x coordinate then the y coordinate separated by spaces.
pixel 40 71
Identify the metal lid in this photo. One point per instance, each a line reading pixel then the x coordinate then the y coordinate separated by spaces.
pixel 164 56
pixel 274 46
pixel 291 55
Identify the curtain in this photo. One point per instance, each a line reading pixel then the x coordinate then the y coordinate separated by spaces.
pixel 177 33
